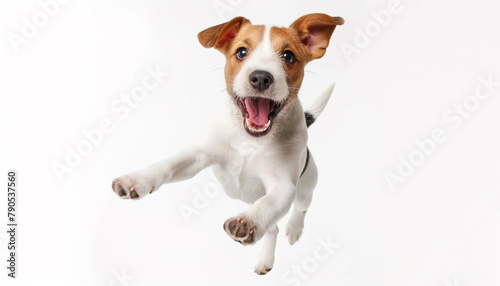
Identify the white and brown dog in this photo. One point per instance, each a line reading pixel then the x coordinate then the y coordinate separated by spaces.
pixel 264 71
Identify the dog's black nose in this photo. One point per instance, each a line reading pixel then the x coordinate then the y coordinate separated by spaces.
pixel 261 80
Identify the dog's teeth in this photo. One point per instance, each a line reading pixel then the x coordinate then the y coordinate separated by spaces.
pixel 250 126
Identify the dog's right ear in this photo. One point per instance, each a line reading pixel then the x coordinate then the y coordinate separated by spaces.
pixel 221 36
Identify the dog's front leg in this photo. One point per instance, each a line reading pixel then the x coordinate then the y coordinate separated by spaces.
pixel 181 167
pixel 251 225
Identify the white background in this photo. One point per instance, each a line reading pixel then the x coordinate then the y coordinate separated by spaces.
pixel 440 227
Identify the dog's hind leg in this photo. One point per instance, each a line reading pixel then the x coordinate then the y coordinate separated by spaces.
pixel 266 259
pixel 303 199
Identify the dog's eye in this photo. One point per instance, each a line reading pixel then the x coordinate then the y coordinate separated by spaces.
pixel 288 56
pixel 241 53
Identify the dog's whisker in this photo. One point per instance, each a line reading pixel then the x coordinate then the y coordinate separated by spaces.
pixel 216 69
pixel 311 72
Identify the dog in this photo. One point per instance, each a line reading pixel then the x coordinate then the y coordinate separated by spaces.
pixel 260 138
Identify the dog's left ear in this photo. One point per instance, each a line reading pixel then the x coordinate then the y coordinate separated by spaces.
pixel 315 31
pixel 221 36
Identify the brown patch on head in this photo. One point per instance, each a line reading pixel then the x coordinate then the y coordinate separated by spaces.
pixel 286 39
pixel 249 37
pixel 307 38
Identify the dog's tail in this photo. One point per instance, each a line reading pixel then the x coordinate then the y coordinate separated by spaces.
pixel 316 107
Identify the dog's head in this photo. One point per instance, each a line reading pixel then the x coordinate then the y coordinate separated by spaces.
pixel 265 65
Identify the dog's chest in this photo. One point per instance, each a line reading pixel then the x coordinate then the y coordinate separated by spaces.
pixel 239 175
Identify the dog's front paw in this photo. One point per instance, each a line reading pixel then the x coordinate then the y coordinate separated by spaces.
pixel 133 186
pixel 242 230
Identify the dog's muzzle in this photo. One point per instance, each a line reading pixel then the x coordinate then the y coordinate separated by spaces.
pixel 258 114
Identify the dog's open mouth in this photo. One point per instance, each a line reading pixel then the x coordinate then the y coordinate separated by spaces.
pixel 258 114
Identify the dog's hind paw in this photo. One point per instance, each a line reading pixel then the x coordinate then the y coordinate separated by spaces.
pixel 263 268
pixel 294 229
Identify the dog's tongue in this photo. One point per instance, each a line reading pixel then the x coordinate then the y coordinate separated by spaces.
pixel 258 110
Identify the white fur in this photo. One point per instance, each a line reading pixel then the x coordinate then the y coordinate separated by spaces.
pixel 261 171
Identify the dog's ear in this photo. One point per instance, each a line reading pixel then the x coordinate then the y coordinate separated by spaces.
pixel 315 31
pixel 220 36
